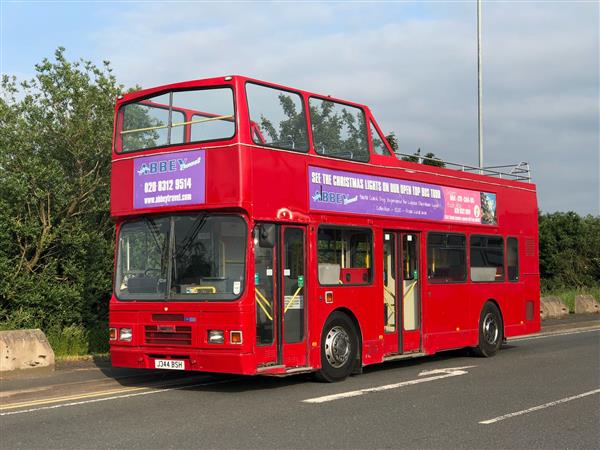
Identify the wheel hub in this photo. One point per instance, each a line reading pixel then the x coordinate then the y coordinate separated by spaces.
pixel 337 347
pixel 490 329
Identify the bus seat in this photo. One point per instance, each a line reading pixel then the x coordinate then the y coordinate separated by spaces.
pixel 329 273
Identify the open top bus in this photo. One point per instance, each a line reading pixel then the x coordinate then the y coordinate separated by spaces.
pixel 268 230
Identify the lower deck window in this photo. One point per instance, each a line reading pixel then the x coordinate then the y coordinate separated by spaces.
pixel 345 256
pixel 446 257
pixel 512 258
pixel 487 258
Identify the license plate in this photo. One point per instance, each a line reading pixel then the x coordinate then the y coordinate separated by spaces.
pixel 173 364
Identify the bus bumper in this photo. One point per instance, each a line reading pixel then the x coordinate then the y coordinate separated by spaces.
pixel 193 360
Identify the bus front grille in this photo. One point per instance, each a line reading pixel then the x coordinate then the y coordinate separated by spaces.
pixel 168 335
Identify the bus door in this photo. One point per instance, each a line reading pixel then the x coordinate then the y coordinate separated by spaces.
pixel 401 292
pixel 280 294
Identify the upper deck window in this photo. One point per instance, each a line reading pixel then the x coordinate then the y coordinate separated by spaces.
pixel 277 118
pixel 339 130
pixel 176 117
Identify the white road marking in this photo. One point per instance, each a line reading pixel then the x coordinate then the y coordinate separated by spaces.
pixel 552 334
pixel 438 374
pixel 537 408
pixel 116 397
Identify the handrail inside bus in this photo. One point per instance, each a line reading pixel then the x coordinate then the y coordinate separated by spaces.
pixel 260 298
pixel 178 124
pixel 195 289
pixel 292 300
pixel 410 289
pixel 389 291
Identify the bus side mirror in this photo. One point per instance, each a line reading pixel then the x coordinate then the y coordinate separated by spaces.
pixel 266 235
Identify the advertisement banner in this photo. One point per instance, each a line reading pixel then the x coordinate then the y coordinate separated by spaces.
pixel 348 192
pixel 169 179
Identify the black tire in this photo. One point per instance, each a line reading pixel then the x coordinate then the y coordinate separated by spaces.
pixel 491 331
pixel 339 347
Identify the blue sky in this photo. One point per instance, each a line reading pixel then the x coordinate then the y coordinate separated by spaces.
pixel 413 63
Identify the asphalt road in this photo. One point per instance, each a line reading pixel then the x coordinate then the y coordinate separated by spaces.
pixel 538 392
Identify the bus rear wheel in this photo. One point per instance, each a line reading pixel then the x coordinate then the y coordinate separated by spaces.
pixel 490 331
pixel 339 347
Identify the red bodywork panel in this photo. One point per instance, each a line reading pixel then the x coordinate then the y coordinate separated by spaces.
pixel 268 184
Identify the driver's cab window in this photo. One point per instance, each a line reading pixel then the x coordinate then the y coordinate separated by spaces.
pixel 143 259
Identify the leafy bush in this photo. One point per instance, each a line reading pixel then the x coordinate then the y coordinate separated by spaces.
pixel 569 250
pixel 56 238
pixel 70 340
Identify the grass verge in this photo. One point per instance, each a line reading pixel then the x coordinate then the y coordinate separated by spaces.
pixel 75 341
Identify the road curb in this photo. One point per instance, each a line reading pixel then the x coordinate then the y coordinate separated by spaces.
pixel 584 324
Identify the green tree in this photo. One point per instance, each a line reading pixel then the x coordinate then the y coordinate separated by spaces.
pixel 56 238
pixel 429 159
pixel 393 141
pixel 338 130
pixel 139 117
pixel 292 131
pixel 432 160
pixel 569 250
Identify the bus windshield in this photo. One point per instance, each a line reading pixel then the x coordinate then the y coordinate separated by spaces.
pixel 176 117
pixel 181 257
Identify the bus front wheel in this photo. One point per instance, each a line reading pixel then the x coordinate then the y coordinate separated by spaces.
pixel 339 347
pixel 490 331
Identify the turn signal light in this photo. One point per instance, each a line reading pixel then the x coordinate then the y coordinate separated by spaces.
pixel 329 297
pixel 235 337
pixel 112 334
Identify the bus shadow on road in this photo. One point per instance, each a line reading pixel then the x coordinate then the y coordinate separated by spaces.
pixel 198 381
pixel 226 383
pixel 449 355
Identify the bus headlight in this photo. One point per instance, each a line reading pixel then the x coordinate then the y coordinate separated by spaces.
pixel 215 337
pixel 125 334
pixel 112 334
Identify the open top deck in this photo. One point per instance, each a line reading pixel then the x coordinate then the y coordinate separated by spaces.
pixel 240 110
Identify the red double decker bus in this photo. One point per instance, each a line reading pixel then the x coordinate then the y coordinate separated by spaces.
pixel 269 230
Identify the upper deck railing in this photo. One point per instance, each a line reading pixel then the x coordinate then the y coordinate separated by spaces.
pixel 517 172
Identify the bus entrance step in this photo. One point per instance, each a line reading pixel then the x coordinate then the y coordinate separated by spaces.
pixel 282 371
pixel 402 356
pixel 277 368
pixel 293 370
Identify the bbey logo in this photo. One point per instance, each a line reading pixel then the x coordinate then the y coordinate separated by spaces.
pixel 171 165
pixel 337 198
